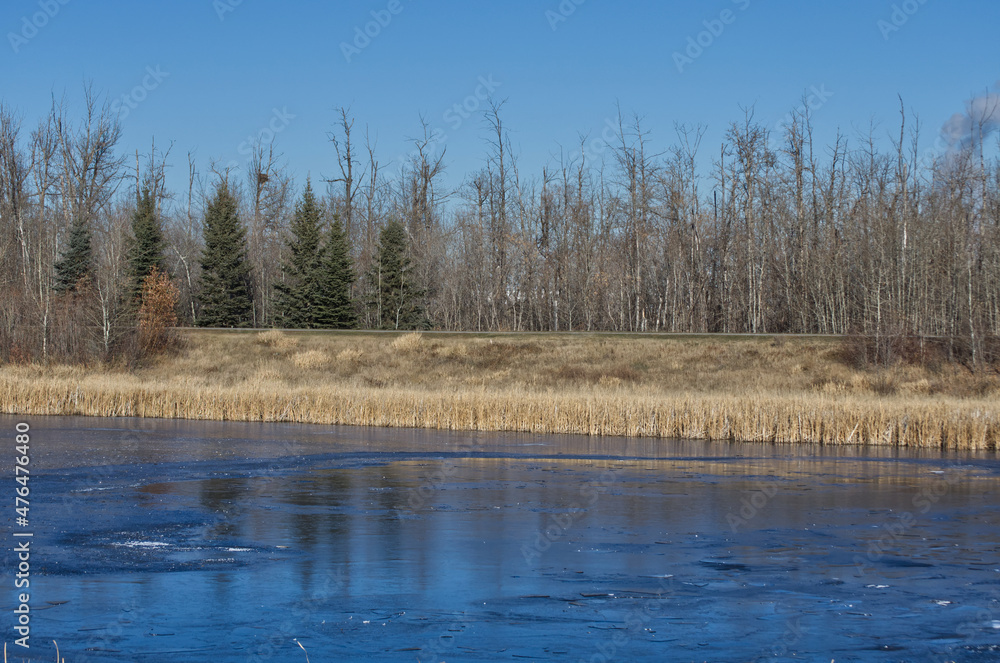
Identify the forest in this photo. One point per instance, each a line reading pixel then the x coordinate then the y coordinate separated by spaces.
pixel 866 236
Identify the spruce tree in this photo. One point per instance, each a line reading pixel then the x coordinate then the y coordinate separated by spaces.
pixel 225 280
pixel 146 251
pixel 335 304
pixel 76 261
pixel 396 296
pixel 299 296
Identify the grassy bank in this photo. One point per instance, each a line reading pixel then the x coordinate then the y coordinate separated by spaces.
pixel 753 389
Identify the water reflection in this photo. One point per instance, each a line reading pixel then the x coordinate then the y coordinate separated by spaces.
pixel 224 542
pixel 88 442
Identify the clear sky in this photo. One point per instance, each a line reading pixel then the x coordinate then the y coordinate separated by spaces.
pixel 224 67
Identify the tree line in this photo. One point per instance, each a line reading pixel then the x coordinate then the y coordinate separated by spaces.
pixel 863 236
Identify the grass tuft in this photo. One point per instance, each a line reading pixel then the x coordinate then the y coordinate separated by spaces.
pixel 276 339
pixel 408 342
pixel 310 359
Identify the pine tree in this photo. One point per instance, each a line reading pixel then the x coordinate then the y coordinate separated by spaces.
pixel 336 305
pixel 299 295
pixel 225 280
pixel 76 262
pixel 396 297
pixel 146 251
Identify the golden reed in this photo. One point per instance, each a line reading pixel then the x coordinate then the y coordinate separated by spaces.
pixel 946 424
pixel 693 388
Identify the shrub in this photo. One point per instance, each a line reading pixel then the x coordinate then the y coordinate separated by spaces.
pixel 863 351
pixel 158 313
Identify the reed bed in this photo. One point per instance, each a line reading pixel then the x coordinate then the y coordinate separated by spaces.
pixel 747 390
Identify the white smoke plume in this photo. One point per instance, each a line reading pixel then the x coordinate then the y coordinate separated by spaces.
pixel 980 119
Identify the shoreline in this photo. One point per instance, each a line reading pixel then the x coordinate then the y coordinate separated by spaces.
pixel 530 385
pixel 790 420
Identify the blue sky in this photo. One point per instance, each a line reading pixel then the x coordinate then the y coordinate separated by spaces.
pixel 225 66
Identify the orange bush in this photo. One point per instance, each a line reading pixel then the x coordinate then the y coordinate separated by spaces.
pixel 158 312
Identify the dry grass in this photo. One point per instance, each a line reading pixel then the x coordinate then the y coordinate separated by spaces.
pixel 797 390
pixel 310 359
pixel 276 339
pixel 408 342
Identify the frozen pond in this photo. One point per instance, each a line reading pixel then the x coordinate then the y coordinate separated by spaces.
pixel 198 541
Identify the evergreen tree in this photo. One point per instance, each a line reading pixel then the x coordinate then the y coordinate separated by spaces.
pixel 396 297
pixel 299 296
pixel 335 303
pixel 146 251
pixel 225 293
pixel 76 262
